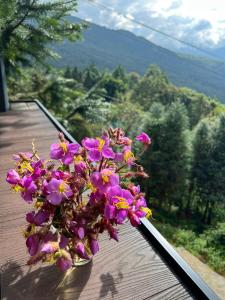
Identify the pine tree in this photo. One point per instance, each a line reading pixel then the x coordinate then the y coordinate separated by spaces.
pixel 201 171
pixel 167 158
pixel 28 27
pixel 217 170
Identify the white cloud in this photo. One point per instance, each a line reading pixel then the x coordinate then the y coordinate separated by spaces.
pixel 199 21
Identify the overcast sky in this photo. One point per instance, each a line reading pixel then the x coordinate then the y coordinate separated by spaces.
pixel 201 22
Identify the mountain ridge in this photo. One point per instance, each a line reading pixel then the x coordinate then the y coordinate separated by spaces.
pixel 108 48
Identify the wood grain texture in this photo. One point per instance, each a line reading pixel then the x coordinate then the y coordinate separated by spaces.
pixel 130 269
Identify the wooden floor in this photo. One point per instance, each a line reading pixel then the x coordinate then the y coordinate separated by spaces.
pixel 130 269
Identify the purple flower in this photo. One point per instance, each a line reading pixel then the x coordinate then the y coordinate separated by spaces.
pixel 80 250
pixel 28 188
pixel 113 232
pixel 58 190
pixel 64 262
pixel 95 197
pixel 139 210
pixel 144 138
pixel 94 246
pixel 79 164
pixel 77 229
pixel 63 241
pixel 12 177
pixel 40 217
pixel 104 179
pixel 98 148
pixel 119 201
pixel 38 170
pixel 128 155
pixel 32 244
pixel 64 151
pixel 49 247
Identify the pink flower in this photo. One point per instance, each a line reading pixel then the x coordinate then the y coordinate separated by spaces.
pixel 64 262
pixel 139 210
pixel 39 218
pixel 144 138
pixel 98 148
pixel 104 179
pixel 113 232
pixel 128 155
pixel 64 151
pixel 77 229
pixel 49 247
pixel 32 244
pixel 57 191
pixel 12 177
pixel 63 241
pixel 38 169
pixel 79 164
pixel 119 201
pixel 94 246
pixel 28 188
pixel 80 250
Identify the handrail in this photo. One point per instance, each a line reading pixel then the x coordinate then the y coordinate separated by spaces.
pixel 190 278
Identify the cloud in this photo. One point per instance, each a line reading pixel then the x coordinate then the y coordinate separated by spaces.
pixel 202 25
pixel 201 22
pixel 175 4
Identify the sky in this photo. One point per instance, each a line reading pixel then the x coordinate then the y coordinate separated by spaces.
pixel 201 22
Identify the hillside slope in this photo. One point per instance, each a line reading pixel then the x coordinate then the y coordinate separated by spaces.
pixel 108 48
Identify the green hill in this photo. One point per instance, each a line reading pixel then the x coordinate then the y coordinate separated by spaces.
pixel 108 48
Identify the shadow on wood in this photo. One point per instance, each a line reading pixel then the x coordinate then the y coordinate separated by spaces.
pixel 35 283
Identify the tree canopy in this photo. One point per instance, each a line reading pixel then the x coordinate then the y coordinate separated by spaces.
pixel 28 27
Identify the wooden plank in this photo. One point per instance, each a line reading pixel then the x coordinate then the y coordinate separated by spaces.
pixel 124 273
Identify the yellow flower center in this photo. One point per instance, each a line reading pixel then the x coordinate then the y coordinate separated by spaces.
pixel 91 187
pixel 64 147
pixel 127 155
pixel 147 211
pixel 38 204
pixel 122 204
pixel 62 187
pixel 105 176
pixel 78 158
pixel 26 165
pixel 101 144
pixel 17 188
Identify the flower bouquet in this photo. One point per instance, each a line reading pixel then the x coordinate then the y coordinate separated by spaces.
pixel 80 192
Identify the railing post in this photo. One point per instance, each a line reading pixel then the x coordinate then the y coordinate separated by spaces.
pixel 4 102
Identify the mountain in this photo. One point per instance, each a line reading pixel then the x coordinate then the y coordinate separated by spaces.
pixel 108 48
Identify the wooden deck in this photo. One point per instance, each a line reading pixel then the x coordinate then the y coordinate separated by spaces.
pixel 130 269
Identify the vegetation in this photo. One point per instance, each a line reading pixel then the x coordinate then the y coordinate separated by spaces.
pixel 27 27
pixel 186 161
pixel 136 54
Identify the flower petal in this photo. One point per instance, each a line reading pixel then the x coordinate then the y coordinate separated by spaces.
pixel 109 211
pixel 64 263
pixel 32 244
pixel 73 148
pixel 90 143
pixel 56 151
pixel 94 155
pixel 55 198
pixel 94 245
pixel 108 152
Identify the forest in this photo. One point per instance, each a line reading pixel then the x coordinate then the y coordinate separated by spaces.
pixel 186 160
